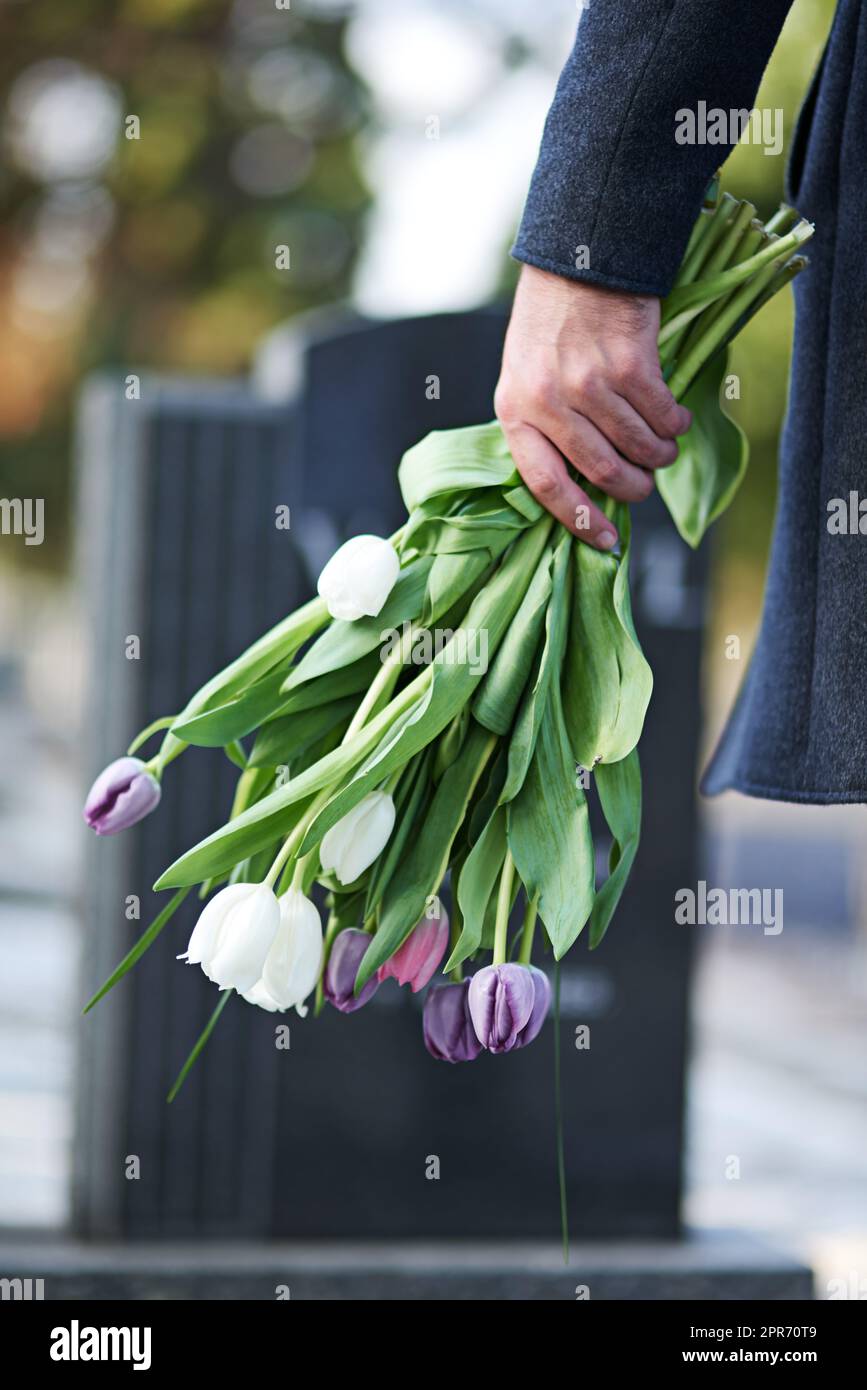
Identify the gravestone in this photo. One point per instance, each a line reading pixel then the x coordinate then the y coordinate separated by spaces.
pixel 332 1138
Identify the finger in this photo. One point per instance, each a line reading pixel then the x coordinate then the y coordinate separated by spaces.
pixel 545 474
pixel 649 395
pixel 631 436
pixel 589 451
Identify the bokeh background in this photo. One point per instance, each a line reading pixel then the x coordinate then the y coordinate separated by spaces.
pixel 308 126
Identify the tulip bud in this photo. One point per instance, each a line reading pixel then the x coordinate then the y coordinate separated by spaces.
pixel 359 577
pixel 447 1026
pixel 342 970
pixel 417 959
pixel 234 934
pixel 121 795
pixel 541 1005
pixel 351 846
pixel 501 999
pixel 294 961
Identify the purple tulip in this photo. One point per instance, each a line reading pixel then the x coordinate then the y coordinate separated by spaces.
pixel 342 970
pixel 416 961
pixel 541 1005
pixel 121 795
pixel 448 1029
pixel 501 999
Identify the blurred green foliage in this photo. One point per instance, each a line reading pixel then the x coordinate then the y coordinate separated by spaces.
pixel 762 353
pixel 158 154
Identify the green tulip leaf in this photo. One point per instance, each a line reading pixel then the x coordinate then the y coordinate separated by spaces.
pixel 713 458
pixel 456 461
pixel 502 689
pixel 549 833
pixel 607 681
pixel 619 788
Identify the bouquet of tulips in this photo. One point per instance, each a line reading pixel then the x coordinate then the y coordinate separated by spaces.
pixel 441 711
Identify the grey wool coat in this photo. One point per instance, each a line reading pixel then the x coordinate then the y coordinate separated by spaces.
pixel 612 178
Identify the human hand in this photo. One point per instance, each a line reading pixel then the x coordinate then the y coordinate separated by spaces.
pixel 581 382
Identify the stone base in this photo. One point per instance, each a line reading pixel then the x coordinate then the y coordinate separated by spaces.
pixel 703 1266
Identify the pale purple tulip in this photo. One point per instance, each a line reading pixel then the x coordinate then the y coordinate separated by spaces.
pixel 541 1005
pixel 447 1026
pixel 501 999
pixel 121 795
pixel 342 970
pixel 416 961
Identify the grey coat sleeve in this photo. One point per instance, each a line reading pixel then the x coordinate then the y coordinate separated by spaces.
pixel 611 176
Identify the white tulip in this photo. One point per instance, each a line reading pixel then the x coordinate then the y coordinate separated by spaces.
pixel 359 577
pixel 294 961
pixel 234 935
pixel 351 845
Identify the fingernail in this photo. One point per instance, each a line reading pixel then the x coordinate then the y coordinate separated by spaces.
pixel 606 540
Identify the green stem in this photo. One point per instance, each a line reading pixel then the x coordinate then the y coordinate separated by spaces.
pixel 381 686
pixel 691 362
pixel 528 930
pixel 200 1045
pixel 456 927
pixel 783 220
pixel 706 291
pixel 293 840
pixel 380 689
pixel 165 723
pixel 558 1120
pixel 716 224
pixel 331 930
pixel 504 905
pixel 747 246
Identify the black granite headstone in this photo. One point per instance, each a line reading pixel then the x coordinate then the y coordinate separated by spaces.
pixel 333 1137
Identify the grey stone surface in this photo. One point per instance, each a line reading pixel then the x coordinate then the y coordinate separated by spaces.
pixel 707 1266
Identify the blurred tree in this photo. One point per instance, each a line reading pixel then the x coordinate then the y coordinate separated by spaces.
pixel 179 176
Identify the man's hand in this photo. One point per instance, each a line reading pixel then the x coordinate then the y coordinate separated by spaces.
pixel 581 381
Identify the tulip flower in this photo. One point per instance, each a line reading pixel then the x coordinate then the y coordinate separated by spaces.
pixel 351 846
pixel 359 577
pixel 123 793
pixel 447 1027
pixel 416 960
pixel 501 999
pixel 541 1005
pixel 342 970
pixel 234 935
pixel 294 961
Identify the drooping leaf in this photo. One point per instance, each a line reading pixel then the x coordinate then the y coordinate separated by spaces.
pixel 282 740
pixel 606 680
pixel 544 674
pixel 456 461
pixel 712 461
pixel 549 833
pixel 501 690
pixel 619 788
pixel 476 882
pixel 275 646
pixel 420 872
